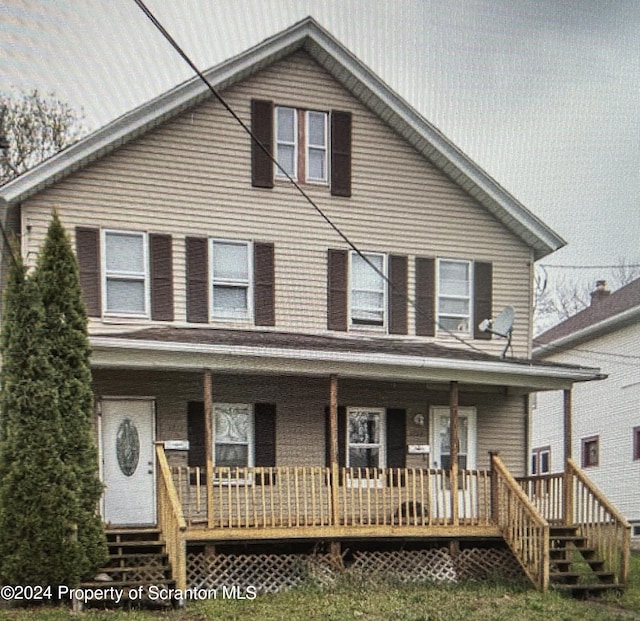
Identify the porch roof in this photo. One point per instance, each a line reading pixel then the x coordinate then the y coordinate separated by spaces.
pixel 356 356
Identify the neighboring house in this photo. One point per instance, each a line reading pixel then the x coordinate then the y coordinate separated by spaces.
pixel 606 426
pixel 297 390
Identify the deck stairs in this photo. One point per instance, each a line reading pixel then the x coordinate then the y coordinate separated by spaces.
pixel 574 567
pixel 137 558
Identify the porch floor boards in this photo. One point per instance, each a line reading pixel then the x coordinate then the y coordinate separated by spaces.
pixel 201 533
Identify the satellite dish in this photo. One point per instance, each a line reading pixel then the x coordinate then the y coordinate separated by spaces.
pixel 503 323
pixel 501 326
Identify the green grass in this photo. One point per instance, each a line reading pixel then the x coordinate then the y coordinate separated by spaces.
pixel 373 600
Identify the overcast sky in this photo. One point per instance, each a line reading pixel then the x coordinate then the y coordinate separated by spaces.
pixel 542 94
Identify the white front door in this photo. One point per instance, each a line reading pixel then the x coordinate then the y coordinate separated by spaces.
pixel 439 425
pixel 128 461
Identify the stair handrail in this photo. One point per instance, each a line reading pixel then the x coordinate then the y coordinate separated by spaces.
pixel 523 527
pixel 171 521
pixel 597 538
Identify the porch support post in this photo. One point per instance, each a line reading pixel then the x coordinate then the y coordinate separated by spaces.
pixel 333 448
pixel 568 476
pixel 208 441
pixel 454 447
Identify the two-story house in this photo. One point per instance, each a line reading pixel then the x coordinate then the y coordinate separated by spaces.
pixel 273 367
pixel 606 427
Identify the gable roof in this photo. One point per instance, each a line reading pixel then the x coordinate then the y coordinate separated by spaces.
pixel 358 79
pixel 615 311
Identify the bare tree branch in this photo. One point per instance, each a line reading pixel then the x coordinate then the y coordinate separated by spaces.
pixel 35 127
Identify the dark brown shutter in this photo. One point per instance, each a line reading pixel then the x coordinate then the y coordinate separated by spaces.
pixel 197 280
pixel 161 262
pixel 265 441
pixel 264 284
pixel 425 296
pixel 398 295
pixel 195 434
pixel 342 436
pixel 482 297
pixel 396 438
pixel 340 153
pixel 88 253
pixel 337 266
pixel 262 128
pixel 265 435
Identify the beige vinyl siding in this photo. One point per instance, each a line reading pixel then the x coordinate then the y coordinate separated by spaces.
pixel 300 410
pixel 191 176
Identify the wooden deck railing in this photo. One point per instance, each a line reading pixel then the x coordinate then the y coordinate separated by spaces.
pixel 315 496
pixel 171 520
pixel 523 527
pixel 601 523
pixel 572 498
pixel 546 492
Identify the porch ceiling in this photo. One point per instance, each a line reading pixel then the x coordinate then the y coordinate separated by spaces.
pixel 270 352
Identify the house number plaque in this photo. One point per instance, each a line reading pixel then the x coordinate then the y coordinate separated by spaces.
pixel 127 447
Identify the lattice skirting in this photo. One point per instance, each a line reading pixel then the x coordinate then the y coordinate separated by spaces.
pixel 270 573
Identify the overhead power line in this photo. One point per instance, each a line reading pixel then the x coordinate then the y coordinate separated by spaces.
pixel 587 267
pixel 152 18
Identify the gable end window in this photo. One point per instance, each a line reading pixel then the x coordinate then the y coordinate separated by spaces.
pixel 312 146
pixel 590 451
pixel 301 144
pixel 636 443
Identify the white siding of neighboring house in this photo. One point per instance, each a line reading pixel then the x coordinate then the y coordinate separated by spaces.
pixel 609 409
pixel 191 177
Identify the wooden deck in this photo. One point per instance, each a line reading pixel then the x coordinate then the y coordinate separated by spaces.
pixel 329 503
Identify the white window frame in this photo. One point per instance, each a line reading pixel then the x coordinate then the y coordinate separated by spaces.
pixel 294 143
pixel 248 283
pixel 361 324
pixel 381 446
pixel 250 444
pixel 469 297
pixel 470 413
pixel 324 147
pixel 125 275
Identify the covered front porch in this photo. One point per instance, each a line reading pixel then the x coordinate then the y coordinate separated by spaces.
pixel 344 442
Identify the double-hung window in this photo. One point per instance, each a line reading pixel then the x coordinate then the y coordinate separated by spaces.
pixel 368 289
pixel 366 447
pixel 231 269
pixel 316 126
pixel 233 447
pixel 302 139
pixel 126 270
pixel 287 141
pixel 454 295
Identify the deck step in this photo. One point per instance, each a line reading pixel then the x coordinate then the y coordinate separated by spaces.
pixel 137 559
pixel 582 591
pixel 574 577
pixel 574 567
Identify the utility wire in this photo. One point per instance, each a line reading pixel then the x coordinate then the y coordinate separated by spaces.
pixel 295 184
pixel 587 267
